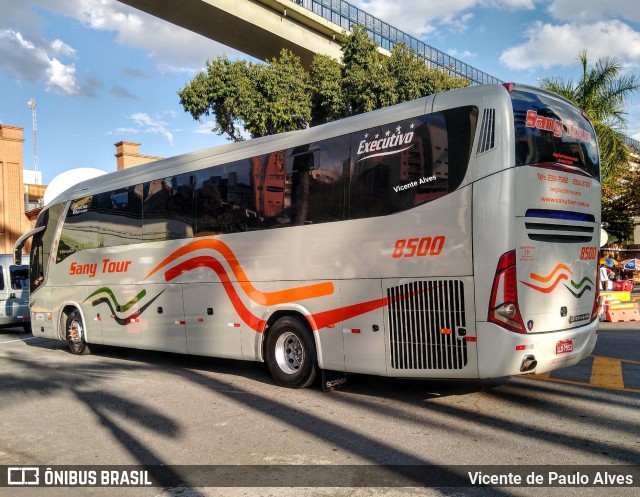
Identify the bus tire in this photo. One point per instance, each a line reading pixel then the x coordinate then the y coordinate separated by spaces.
pixel 74 334
pixel 291 353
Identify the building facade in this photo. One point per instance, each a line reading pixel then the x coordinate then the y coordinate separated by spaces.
pixel 13 221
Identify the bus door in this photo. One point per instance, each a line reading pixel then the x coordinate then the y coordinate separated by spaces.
pixel 162 321
pixel 364 337
pixel 213 326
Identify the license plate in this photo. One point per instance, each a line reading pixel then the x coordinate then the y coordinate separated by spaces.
pixel 564 346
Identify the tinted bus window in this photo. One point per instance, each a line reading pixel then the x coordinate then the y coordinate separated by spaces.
pixel 168 208
pixel 308 184
pixel 553 132
pixel 272 186
pixel 42 243
pixel 80 230
pixel 404 164
pixel 181 207
pixel 225 199
pixel 120 216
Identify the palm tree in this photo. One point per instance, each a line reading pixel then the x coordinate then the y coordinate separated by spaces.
pixel 602 93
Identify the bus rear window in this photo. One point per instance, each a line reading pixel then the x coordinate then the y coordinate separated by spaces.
pixel 550 131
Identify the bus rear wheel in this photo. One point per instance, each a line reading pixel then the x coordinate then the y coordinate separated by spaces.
pixel 75 334
pixel 291 353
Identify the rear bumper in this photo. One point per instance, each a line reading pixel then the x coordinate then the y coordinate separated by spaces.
pixel 501 352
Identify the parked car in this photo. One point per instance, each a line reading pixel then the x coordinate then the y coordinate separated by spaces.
pixel 14 293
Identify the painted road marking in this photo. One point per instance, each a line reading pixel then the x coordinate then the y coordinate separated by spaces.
pixel 606 373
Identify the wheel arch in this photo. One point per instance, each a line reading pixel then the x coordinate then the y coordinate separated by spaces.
pixel 304 316
pixel 65 309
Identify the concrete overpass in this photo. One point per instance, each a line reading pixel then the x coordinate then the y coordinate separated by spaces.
pixel 262 28
pixel 259 28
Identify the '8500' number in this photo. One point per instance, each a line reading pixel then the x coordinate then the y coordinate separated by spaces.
pixel 418 247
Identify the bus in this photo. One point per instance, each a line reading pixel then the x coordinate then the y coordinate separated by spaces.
pixel 454 236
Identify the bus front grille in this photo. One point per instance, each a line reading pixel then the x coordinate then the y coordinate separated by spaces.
pixel 424 322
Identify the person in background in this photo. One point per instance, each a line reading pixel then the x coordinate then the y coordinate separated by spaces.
pixel 612 278
pixel 604 277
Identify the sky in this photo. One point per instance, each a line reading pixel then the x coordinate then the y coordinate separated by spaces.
pixel 101 72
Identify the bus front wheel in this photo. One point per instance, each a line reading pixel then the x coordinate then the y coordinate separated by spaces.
pixel 291 353
pixel 75 334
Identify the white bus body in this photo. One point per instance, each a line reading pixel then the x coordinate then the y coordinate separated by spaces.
pixel 454 236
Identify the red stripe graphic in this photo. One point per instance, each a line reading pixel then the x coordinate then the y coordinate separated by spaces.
pixel 245 314
pixel 263 298
pixel 322 319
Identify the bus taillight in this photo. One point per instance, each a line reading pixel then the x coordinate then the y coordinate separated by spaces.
pixel 503 306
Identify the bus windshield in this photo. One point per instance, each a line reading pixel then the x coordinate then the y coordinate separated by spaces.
pixel 550 130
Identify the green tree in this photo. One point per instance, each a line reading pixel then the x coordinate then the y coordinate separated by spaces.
pixel 412 78
pixel 282 99
pixel 620 204
pixel 365 84
pixel 261 99
pixel 264 99
pixel 221 91
pixel 602 92
pixel 325 74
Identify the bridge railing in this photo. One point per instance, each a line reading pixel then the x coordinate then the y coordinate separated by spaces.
pixel 635 144
pixel 346 15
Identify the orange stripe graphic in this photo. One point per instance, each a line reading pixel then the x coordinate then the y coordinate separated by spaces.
pixel 262 298
pixel 549 289
pixel 546 279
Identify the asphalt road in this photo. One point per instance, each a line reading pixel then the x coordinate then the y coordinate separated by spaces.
pixel 166 412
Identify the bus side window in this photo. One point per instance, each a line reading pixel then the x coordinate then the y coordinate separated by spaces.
pixel 1 278
pixel 226 199
pixel 328 180
pixel 306 184
pixel 303 164
pixel 272 187
pixel 392 168
pixel 168 209
pixel 181 207
pixel 80 230
pixel 120 217
pixel 408 163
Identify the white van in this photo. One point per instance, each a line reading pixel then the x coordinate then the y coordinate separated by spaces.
pixel 14 293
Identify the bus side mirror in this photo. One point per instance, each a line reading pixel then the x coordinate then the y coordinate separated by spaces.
pixel 17 257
